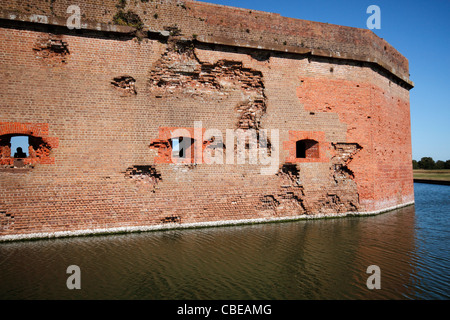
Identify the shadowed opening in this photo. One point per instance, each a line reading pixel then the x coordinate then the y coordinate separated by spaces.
pixel 306 148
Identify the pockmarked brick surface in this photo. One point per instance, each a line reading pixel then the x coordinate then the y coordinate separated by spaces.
pixel 103 107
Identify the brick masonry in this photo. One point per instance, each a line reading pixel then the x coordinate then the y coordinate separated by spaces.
pixel 99 104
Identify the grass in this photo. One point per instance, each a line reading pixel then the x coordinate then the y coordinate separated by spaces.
pixel 437 174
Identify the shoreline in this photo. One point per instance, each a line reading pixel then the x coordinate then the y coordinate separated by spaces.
pixel 431 181
pixel 208 224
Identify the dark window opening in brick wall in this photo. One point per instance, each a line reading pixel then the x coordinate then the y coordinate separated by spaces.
pixel 180 147
pixel 306 149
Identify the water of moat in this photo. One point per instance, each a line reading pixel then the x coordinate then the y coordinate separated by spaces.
pixel 316 259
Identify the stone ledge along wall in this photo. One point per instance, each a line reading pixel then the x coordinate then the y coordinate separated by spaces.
pixel 98 105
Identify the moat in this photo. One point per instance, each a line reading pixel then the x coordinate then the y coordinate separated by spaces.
pixel 316 259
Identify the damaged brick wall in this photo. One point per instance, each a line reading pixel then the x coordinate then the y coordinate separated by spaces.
pixel 6 220
pixel 343 195
pixel 144 175
pixel 126 85
pixel 383 132
pixel 344 153
pixel 40 144
pixel 52 49
pixel 291 196
pixel 235 25
pixel 297 195
pixel 179 70
pixel 113 101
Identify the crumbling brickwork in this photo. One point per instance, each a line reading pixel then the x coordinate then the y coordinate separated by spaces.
pixel 180 69
pixel 327 105
pixel 51 49
pixel 40 144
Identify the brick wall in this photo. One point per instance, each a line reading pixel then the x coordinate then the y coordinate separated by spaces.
pixel 105 102
pixel 223 24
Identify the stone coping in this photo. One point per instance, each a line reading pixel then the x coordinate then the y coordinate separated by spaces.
pixel 203 38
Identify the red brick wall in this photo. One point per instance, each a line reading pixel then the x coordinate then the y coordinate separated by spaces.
pixel 234 26
pixel 378 120
pixel 106 170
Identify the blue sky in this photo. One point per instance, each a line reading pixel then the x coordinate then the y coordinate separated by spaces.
pixel 19 142
pixel 417 29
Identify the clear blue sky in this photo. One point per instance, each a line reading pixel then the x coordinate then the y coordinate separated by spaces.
pixel 19 142
pixel 420 30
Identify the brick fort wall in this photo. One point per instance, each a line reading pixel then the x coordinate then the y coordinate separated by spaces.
pixel 99 105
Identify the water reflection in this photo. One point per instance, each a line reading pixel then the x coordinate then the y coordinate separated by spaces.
pixel 318 259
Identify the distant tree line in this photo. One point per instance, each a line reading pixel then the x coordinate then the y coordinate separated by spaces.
pixel 429 163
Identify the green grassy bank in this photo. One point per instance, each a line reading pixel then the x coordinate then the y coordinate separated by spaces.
pixel 435 174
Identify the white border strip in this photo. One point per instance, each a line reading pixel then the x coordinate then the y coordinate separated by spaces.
pixel 59 234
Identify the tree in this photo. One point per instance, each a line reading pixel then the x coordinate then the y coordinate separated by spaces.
pixel 415 164
pixel 447 164
pixel 439 164
pixel 426 163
